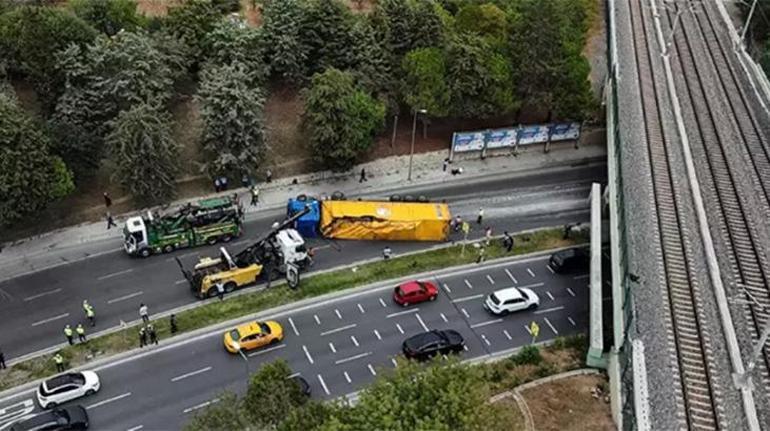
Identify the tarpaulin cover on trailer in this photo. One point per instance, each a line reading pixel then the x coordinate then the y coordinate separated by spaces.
pixel 385 220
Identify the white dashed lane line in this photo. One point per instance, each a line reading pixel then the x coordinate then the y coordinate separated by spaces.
pixel 190 374
pixel 484 337
pixel 323 384
pixel 424 326
pixel 184 280
pixel 448 290
pixel 50 319
pixel 465 313
pixel 136 428
pixel 40 295
pixel 352 358
pixel 570 292
pixel 468 283
pixel 549 295
pixel 361 309
pixel 551 326
pixel 371 369
pixel 413 310
pixel 513 279
pixel 507 335
pixel 444 318
pixel 347 377
pixel 489 322
pixel 530 272
pixel 200 406
pixel 353 339
pixel 291 376
pixel 383 303
pixel 571 322
pixel 582 276
pixel 294 327
pixel 399 328
pixel 307 354
pixel 269 349
pixel 335 330
pixel 530 286
pixel 124 297
pixel 317 320
pixel 337 312
pixel 548 310
pixel 108 400
pixel 550 269
pixel 331 346
pixel 467 298
pixel 491 281
pixel 377 334
pixel 115 274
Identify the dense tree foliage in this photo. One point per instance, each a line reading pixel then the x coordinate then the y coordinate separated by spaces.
pixel 341 119
pixel 229 43
pixel 327 35
pixel 372 62
pixel 231 109
pixel 485 20
pixel 30 177
pixel 190 22
pixel 108 16
pixel 425 81
pixel 143 153
pixel 284 50
pixel 31 36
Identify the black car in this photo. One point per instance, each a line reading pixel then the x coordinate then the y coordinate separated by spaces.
pixel 570 260
pixel 435 342
pixel 65 418
pixel 304 386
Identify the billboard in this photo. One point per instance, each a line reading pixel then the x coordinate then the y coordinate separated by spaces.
pixel 468 141
pixel 533 134
pixel 565 131
pixel 501 138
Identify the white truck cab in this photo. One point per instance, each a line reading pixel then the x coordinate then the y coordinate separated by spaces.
pixel 292 247
pixel 135 236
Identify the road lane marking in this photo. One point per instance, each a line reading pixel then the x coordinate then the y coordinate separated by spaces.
pixel 468 298
pixel 571 322
pixel 580 277
pixel 40 295
pixel 549 295
pixel 551 326
pixel 443 317
pixel 309 358
pixel 180 281
pixel 270 349
pixel 530 272
pixel 383 303
pixel 136 428
pixel 124 297
pixel 424 326
pixel 399 328
pixel 570 292
pixel 331 346
pixel 468 283
pixel 413 310
pixel 550 269
pixel 361 309
pixel 108 400
pixel 488 322
pixel 342 328
pixel 50 319
pixel 491 281
pixel 200 406
pixel 339 316
pixel 352 358
pixel 465 348
pixel 16 412
pixel 291 376
pixel 115 274
pixel 448 290
pixel 294 327
pixel 347 377
pixel 317 320
pixel 513 279
pixel 323 384
pixel 528 330
pixel 393 361
pixel 484 337
pixel 548 310
pixel 530 286
pixel 190 374
pixel 465 313
pixel 507 335
pixel 378 335
pixel 353 339
pixel 371 369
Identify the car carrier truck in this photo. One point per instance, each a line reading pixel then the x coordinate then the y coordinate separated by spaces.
pixel 272 253
pixel 207 221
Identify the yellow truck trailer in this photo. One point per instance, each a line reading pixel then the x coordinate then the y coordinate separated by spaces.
pixel 395 221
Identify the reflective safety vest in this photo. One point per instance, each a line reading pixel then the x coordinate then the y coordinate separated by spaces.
pixel 80 330
pixel 68 332
pixel 58 359
pixel 90 312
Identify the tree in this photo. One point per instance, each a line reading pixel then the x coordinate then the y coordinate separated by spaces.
pixel 284 51
pixel 108 16
pixel 229 43
pixel 340 119
pixel 485 20
pixel 425 81
pixel 427 26
pixel 190 23
pixel 232 113
pixel 30 177
pixel 143 153
pixel 327 30
pixel 764 61
pixel 31 36
pixel 225 415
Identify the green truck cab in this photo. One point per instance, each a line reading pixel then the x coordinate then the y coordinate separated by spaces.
pixel 207 221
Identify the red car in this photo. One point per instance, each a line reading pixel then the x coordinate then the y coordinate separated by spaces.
pixel 413 292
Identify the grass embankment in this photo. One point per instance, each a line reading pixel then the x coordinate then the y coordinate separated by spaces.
pixel 214 312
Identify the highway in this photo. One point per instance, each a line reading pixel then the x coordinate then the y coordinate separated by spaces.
pixel 34 308
pixel 337 346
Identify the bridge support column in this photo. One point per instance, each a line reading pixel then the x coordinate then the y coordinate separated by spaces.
pixel 595 357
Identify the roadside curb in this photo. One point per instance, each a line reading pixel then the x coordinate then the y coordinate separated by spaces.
pixel 307 303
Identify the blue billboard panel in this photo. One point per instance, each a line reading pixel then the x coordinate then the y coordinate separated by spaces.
pixel 565 131
pixel 501 138
pixel 468 141
pixel 533 134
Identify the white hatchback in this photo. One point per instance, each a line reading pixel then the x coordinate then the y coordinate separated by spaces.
pixel 65 387
pixel 510 300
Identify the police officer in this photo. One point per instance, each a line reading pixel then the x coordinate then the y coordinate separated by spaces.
pixel 59 363
pixel 172 323
pixel 153 334
pixel 142 337
pixel 387 253
pixel 81 333
pixel 91 315
pixel 68 334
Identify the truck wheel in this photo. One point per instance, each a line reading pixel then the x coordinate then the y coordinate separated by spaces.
pixel 229 287
pixel 145 252
pixel 212 292
pixel 212 240
pixel 168 248
pixel 227 238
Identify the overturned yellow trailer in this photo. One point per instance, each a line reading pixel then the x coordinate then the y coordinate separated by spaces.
pixel 394 221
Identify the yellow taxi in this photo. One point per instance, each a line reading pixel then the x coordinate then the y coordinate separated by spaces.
pixel 253 335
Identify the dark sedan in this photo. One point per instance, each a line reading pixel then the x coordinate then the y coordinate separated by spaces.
pixel 436 342
pixel 65 418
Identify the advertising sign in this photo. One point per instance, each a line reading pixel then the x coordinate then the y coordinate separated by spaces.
pixel 533 134
pixel 501 138
pixel 565 131
pixel 468 141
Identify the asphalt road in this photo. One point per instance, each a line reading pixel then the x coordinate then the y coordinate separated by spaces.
pixel 34 308
pixel 338 347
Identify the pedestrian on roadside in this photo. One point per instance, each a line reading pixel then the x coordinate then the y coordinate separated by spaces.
pixel 223 182
pixel 2 360
pixel 68 334
pixel 81 333
pixel 480 217
pixel 217 185
pixel 142 337
pixel 110 221
pixel 488 235
pixel 245 181
pixel 567 229
pixel 507 241
pixel 107 200
pixel 387 253
pixel 269 176
pixel 59 363
pixel 91 315
pixel 363 176
pixel 143 313
pixel 153 334
pixel 254 195
pixel 172 323
pixel 458 223
pixel 482 252
pixel 220 290
pixel 445 164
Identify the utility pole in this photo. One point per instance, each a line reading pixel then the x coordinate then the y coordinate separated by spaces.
pixel 748 20
pixel 414 129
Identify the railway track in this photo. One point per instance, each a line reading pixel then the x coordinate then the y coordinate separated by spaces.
pixel 696 386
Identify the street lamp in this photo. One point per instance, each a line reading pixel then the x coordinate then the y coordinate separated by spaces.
pixel 237 346
pixel 411 152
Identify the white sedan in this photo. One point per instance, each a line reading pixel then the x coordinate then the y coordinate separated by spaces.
pixel 510 300
pixel 65 387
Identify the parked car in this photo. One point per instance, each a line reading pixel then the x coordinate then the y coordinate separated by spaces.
pixel 304 386
pixel 512 299
pixel 436 342
pixel 570 261
pixel 253 335
pixel 65 387
pixel 413 292
pixel 66 418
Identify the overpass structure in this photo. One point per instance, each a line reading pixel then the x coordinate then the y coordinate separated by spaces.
pixel 688 125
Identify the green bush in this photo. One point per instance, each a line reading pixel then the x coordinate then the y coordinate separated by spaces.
pixel 528 355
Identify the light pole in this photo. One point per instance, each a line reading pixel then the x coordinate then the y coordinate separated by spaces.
pixel 411 152
pixel 246 361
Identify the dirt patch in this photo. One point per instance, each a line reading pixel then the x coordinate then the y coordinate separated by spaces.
pixel 510 414
pixel 596 46
pixel 156 7
pixel 288 154
pixel 569 404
